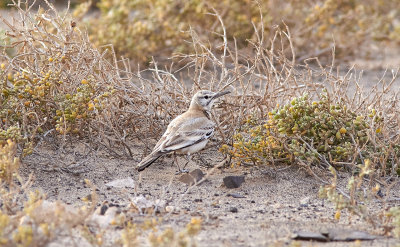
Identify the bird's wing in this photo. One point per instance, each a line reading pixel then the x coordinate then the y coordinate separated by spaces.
pixel 172 127
pixel 187 133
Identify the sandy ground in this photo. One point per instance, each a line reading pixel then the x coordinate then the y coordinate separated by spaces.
pixel 277 201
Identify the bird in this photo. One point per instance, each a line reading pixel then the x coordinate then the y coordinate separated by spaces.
pixel 189 132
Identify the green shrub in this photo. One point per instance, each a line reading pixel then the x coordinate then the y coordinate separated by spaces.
pixel 142 29
pixel 356 198
pixel 56 87
pixel 315 132
pixel 5 3
pixel 320 127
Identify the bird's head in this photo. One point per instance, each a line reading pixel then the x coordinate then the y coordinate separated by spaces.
pixel 205 99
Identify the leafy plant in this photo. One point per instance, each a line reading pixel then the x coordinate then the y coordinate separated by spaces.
pixel 314 132
pixel 357 196
pixel 183 238
pixel 143 29
pixel 314 128
pixel 54 88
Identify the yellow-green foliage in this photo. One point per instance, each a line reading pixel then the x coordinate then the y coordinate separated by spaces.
pixel 330 129
pixel 310 131
pixel 129 235
pixel 357 200
pixel 13 230
pixel 141 29
pixel 24 219
pixel 394 214
pixel 183 238
pixel 27 219
pixel 3 37
pixel 4 3
pixel 168 237
pixel 255 144
pixel 363 19
pixel 9 164
pixel 12 133
pixel 57 88
pixel 39 102
pixel 354 186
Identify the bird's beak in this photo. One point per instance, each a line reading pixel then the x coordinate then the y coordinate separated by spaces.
pixel 219 94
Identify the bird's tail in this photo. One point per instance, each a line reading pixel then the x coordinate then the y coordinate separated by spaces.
pixel 147 161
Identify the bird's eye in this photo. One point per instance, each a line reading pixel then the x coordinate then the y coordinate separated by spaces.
pixel 206 97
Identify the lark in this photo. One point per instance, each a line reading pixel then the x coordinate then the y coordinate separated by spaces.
pixel 189 132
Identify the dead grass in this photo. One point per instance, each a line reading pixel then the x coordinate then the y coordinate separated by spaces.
pixel 138 105
pixel 143 29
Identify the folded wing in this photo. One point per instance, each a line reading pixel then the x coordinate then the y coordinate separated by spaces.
pixel 184 139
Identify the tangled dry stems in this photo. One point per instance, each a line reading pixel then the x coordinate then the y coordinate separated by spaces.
pixel 143 102
pixel 142 29
pixel 138 105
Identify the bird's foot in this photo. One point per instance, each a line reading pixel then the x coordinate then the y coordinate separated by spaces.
pixel 180 171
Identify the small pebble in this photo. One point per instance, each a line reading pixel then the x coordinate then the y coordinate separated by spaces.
pixel 235 195
pixel 169 209
pixel 233 210
pixel 103 209
pixel 233 181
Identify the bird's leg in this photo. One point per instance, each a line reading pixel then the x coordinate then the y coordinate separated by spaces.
pixel 187 157
pixel 174 160
pixel 179 169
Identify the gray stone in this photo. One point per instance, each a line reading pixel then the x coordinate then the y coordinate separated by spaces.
pixel 192 177
pixel 197 174
pixel 233 210
pixel 187 179
pixel 235 195
pixel 309 236
pixel 305 201
pixel 233 181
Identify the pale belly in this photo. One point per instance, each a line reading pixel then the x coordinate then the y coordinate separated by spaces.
pixel 194 148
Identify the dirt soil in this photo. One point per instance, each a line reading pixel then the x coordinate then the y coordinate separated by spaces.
pixel 277 201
